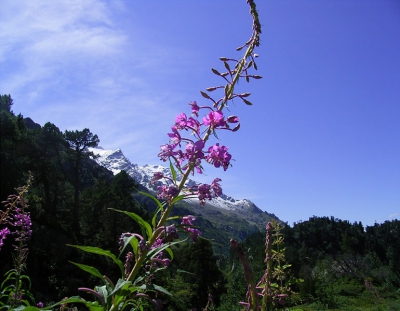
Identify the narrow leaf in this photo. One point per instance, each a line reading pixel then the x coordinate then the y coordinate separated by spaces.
pixel 177 199
pixel 146 228
pixel 162 290
pixel 89 269
pixel 127 241
pixel 102 290
pixel 159 204
pixel 170 252
pixel 120 284
pixel 173 172
pixel 152 253
pixel 173 217
pixel 134 243
pixel 99 251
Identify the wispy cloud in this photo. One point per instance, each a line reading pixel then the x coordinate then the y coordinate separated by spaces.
pixel 71 63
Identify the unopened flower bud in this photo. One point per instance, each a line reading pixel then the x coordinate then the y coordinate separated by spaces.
pixel 232 119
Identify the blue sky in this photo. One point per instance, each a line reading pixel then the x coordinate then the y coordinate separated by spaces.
pixel 322 137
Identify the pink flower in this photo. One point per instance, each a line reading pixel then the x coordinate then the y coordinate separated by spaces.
pixel 214 119
pixel 175 136
pixel 167 151
pixel 195 108
pixel 180 121
pixel 218 155
pixel 3 234
pixel 167 192
pixel 193 232
pixel 204 193
pixel 194 125
pixel 188 220
pixel 194 154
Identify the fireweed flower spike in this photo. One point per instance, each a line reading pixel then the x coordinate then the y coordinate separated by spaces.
pixel 187 150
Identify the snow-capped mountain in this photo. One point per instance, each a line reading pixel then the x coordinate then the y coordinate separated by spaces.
pixel 238 218
pixel 115 161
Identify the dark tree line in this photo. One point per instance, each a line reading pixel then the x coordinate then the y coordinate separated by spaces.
pixel 333 257
pixel 69 200
pixel 70 197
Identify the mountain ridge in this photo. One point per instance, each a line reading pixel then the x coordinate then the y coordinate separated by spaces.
pixel 227 216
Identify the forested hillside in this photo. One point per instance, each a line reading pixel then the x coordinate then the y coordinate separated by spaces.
pixel 343 266
pixel 336 264
pixel 69 199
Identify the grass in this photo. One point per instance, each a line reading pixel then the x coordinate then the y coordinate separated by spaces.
pixel 355 298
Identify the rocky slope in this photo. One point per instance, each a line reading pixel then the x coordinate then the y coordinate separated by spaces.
pixel 220 219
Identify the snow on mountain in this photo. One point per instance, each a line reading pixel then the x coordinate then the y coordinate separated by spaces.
pixel 115 161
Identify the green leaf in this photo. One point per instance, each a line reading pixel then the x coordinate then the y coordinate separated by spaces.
pixel 89 269
pixel 120 284
pixel 154 219
pixel 173 217
pixel 99 251
pixel 183 271
pixel 128 240
pixel 122 290
pixel 146 228
pixel 26 308
pixel 177 199
pixel 162 290
pixel 102 290
pixel 170 252
pixel 160 205
pixel 134 243
pixel 173 171
pixel 154 287
pixel 156 250
pixel 74 299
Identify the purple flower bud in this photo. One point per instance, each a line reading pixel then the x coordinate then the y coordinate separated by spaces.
pixel 232 119
pixel 171 233
pixel 175 136
pixel 188 220
pixel 193 232
pixel 195 108
pixel 143 246
pixel 157 176
pixel 166 262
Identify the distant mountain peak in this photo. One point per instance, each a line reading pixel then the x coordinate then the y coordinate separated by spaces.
pixel 115 161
